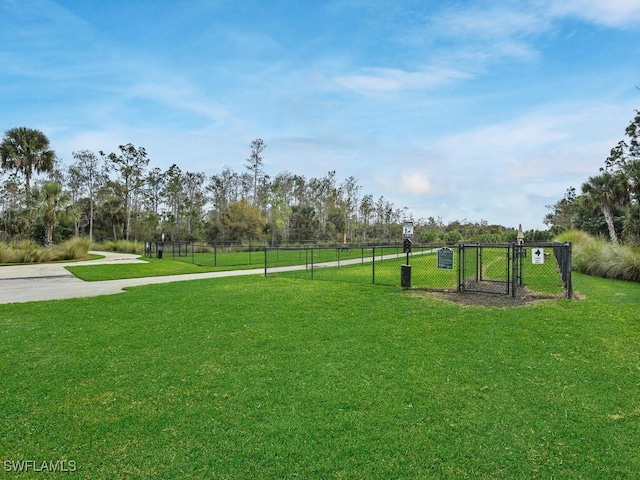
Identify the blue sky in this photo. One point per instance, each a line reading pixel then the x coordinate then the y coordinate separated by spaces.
pixel 463 110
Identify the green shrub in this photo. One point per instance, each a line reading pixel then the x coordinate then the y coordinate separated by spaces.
pixel 576 237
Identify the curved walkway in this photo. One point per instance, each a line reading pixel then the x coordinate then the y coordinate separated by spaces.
pixel 52 281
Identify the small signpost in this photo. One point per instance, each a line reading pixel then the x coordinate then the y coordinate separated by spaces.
pixel 407 230
pixel 537 256
pixel 407 234
pixel 445 258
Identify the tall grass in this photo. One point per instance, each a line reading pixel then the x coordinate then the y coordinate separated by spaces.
pixel 23 251
pixel 72 249
pixel 599 257
pixel 26 251
pixel 123 246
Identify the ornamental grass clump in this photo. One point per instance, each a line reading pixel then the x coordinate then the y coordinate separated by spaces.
pixel 123 246
pixel 73 249
pixel 599 257
pixel 27 251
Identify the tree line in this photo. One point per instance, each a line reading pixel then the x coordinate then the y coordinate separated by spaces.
pixel 608 203
pixel 118 195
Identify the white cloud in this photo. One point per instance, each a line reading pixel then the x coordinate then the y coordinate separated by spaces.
pixel 414 183
pixel 177 93
pixel 380 80
pixel 514 168
pixel 484 22
pixel 612 13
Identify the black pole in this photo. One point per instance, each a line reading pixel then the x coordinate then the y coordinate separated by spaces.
pixel 373 265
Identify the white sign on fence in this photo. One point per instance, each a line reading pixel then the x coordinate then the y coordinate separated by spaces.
pixel 537 256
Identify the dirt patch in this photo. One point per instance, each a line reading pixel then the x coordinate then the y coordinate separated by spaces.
pixel 523 297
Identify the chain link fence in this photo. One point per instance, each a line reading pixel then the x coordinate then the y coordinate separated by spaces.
pixel 509 269
pixel 516 269
pixel 506 269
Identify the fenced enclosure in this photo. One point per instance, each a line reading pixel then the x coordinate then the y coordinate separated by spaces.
pixel 374 264
pixel 513 269
pixel 504 269
pixel 170 249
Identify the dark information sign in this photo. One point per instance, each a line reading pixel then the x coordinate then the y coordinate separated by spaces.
pixel 445 258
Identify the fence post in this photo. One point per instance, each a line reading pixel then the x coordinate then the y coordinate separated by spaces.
pixel 568 266
pixel 373 265
pixel 265 261
pixel 523 252
pixel 460 250
pixel 513 254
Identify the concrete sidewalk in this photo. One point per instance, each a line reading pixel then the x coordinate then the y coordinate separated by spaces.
pixel 52 281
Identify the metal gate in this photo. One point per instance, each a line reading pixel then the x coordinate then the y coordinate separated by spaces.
pixel 485 268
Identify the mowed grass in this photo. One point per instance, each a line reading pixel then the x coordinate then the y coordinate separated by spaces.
pixel 425 273
pixel 275 257
pixel 353 265
pixel 258 377
pixel 152 268
pixel 204 262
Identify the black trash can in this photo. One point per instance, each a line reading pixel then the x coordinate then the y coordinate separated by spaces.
pixel 405 276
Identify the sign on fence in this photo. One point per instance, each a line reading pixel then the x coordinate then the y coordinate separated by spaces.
pixel 445 258
pixel 537 256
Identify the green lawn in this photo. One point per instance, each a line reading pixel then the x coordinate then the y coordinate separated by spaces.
pixel 275 257
pixel 153 268
pixel 386 270
pixel 224 261
pixel 253 377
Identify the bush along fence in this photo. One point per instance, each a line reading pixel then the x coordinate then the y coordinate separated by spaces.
pixel 506 269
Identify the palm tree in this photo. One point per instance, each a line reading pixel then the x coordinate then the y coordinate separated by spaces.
pixel 607 190
pixel 111 208
pixel 26 150
pixel 304 223
pixel 50 202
